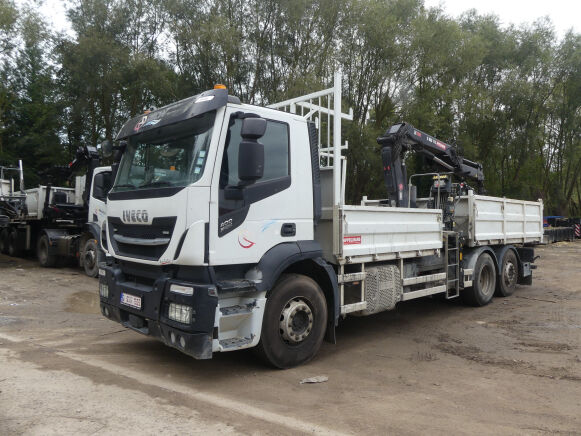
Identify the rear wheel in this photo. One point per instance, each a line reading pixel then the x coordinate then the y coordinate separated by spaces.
pixel 91 258
pixel 483 282
pixel 13 246
pixel 294 322
pixel 4 241
pixel 42 251
pixel 508 275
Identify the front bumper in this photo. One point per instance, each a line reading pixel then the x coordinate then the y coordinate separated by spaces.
pixel 194 339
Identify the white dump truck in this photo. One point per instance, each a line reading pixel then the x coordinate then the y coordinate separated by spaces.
pixel 58 223
pixel 227 228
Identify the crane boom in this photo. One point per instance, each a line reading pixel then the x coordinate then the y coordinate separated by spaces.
pixel 402 138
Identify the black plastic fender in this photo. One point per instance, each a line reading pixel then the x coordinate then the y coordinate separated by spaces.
pixel 60 241
pixel 280 257
pixel 470 256
pixel 94 230
pixel 283 256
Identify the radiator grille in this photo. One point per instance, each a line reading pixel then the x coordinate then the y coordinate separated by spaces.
pixel 160 228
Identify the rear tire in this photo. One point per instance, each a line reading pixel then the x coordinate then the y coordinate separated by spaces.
pixel 4 241
pixel 45 259
pixel 508 275
pixel 294 323
pixel 483 282
pixel 13 248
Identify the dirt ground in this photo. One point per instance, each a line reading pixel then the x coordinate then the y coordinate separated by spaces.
pixel 512 367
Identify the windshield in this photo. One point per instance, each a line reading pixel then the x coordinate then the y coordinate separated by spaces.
pixel 174 155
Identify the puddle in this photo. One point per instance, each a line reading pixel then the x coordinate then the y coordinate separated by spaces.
pixel 83 302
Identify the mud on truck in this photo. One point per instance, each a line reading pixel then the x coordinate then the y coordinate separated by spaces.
pixel 224 231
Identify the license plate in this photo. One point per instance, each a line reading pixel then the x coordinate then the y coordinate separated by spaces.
pixel 131 300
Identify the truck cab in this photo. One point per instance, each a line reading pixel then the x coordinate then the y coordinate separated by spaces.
pixel 196 231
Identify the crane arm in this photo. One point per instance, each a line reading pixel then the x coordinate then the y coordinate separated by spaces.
pixel 402 138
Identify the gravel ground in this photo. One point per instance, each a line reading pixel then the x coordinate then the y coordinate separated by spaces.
pixel 512 367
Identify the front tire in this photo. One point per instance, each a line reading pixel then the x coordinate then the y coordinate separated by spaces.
pixel 508 276
pixel 91 258
pixel 295 318
pixel 483 282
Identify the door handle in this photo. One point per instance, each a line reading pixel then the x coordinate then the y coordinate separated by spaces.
pixel 288 229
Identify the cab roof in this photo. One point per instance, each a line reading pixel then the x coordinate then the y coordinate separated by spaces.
pixel 175 112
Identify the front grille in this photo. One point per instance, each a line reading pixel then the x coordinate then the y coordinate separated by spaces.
pixel 160 228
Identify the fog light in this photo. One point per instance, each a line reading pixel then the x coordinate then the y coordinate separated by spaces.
pixel 103 290
pixel 183 290
pixel 180 313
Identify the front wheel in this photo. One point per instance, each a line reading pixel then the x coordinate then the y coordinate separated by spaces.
pixel 295 318
pixel 483 282
pixel 91 258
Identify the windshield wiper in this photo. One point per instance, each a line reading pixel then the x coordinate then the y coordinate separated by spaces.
pixel 125 185
pixel 156 183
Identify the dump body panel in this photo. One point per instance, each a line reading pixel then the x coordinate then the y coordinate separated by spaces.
pixel 484 220
pixel 35 199
pixel 368 233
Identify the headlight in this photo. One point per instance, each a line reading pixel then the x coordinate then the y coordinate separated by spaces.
pixel 103 290
pixel 179 289
pixel 180 313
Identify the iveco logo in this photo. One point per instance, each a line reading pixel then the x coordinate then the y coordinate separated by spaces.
pixel 135 216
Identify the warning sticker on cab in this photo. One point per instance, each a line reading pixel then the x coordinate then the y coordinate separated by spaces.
pixel 351 240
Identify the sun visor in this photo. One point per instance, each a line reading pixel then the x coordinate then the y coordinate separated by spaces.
pixel 175 112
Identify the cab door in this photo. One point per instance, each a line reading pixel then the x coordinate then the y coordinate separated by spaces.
pixel 246 221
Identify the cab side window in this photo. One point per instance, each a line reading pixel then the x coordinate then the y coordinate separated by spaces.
pixel 276 175
pixel 276 153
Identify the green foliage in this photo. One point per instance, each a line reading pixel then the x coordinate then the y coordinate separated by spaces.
pixel 509 97
pixel 29 123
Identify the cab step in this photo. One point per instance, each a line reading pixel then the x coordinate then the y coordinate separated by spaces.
pixel 235 342
pixel 237 310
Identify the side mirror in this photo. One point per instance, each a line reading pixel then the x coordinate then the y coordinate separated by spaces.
pixel 251 152
pixel 99 193
pixel 119 150
pixel 101 185
pixel 107 148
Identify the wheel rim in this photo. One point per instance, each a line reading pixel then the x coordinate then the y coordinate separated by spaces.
pixel 485 280
pixel 509 274
pixel 296 321
pixel 90 258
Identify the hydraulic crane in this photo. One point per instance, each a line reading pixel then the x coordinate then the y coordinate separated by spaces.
pixel 402 138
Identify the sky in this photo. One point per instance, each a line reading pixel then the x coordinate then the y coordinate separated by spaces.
pixel 564 14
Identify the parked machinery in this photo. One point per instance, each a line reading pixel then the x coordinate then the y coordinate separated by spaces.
pixel 59 223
